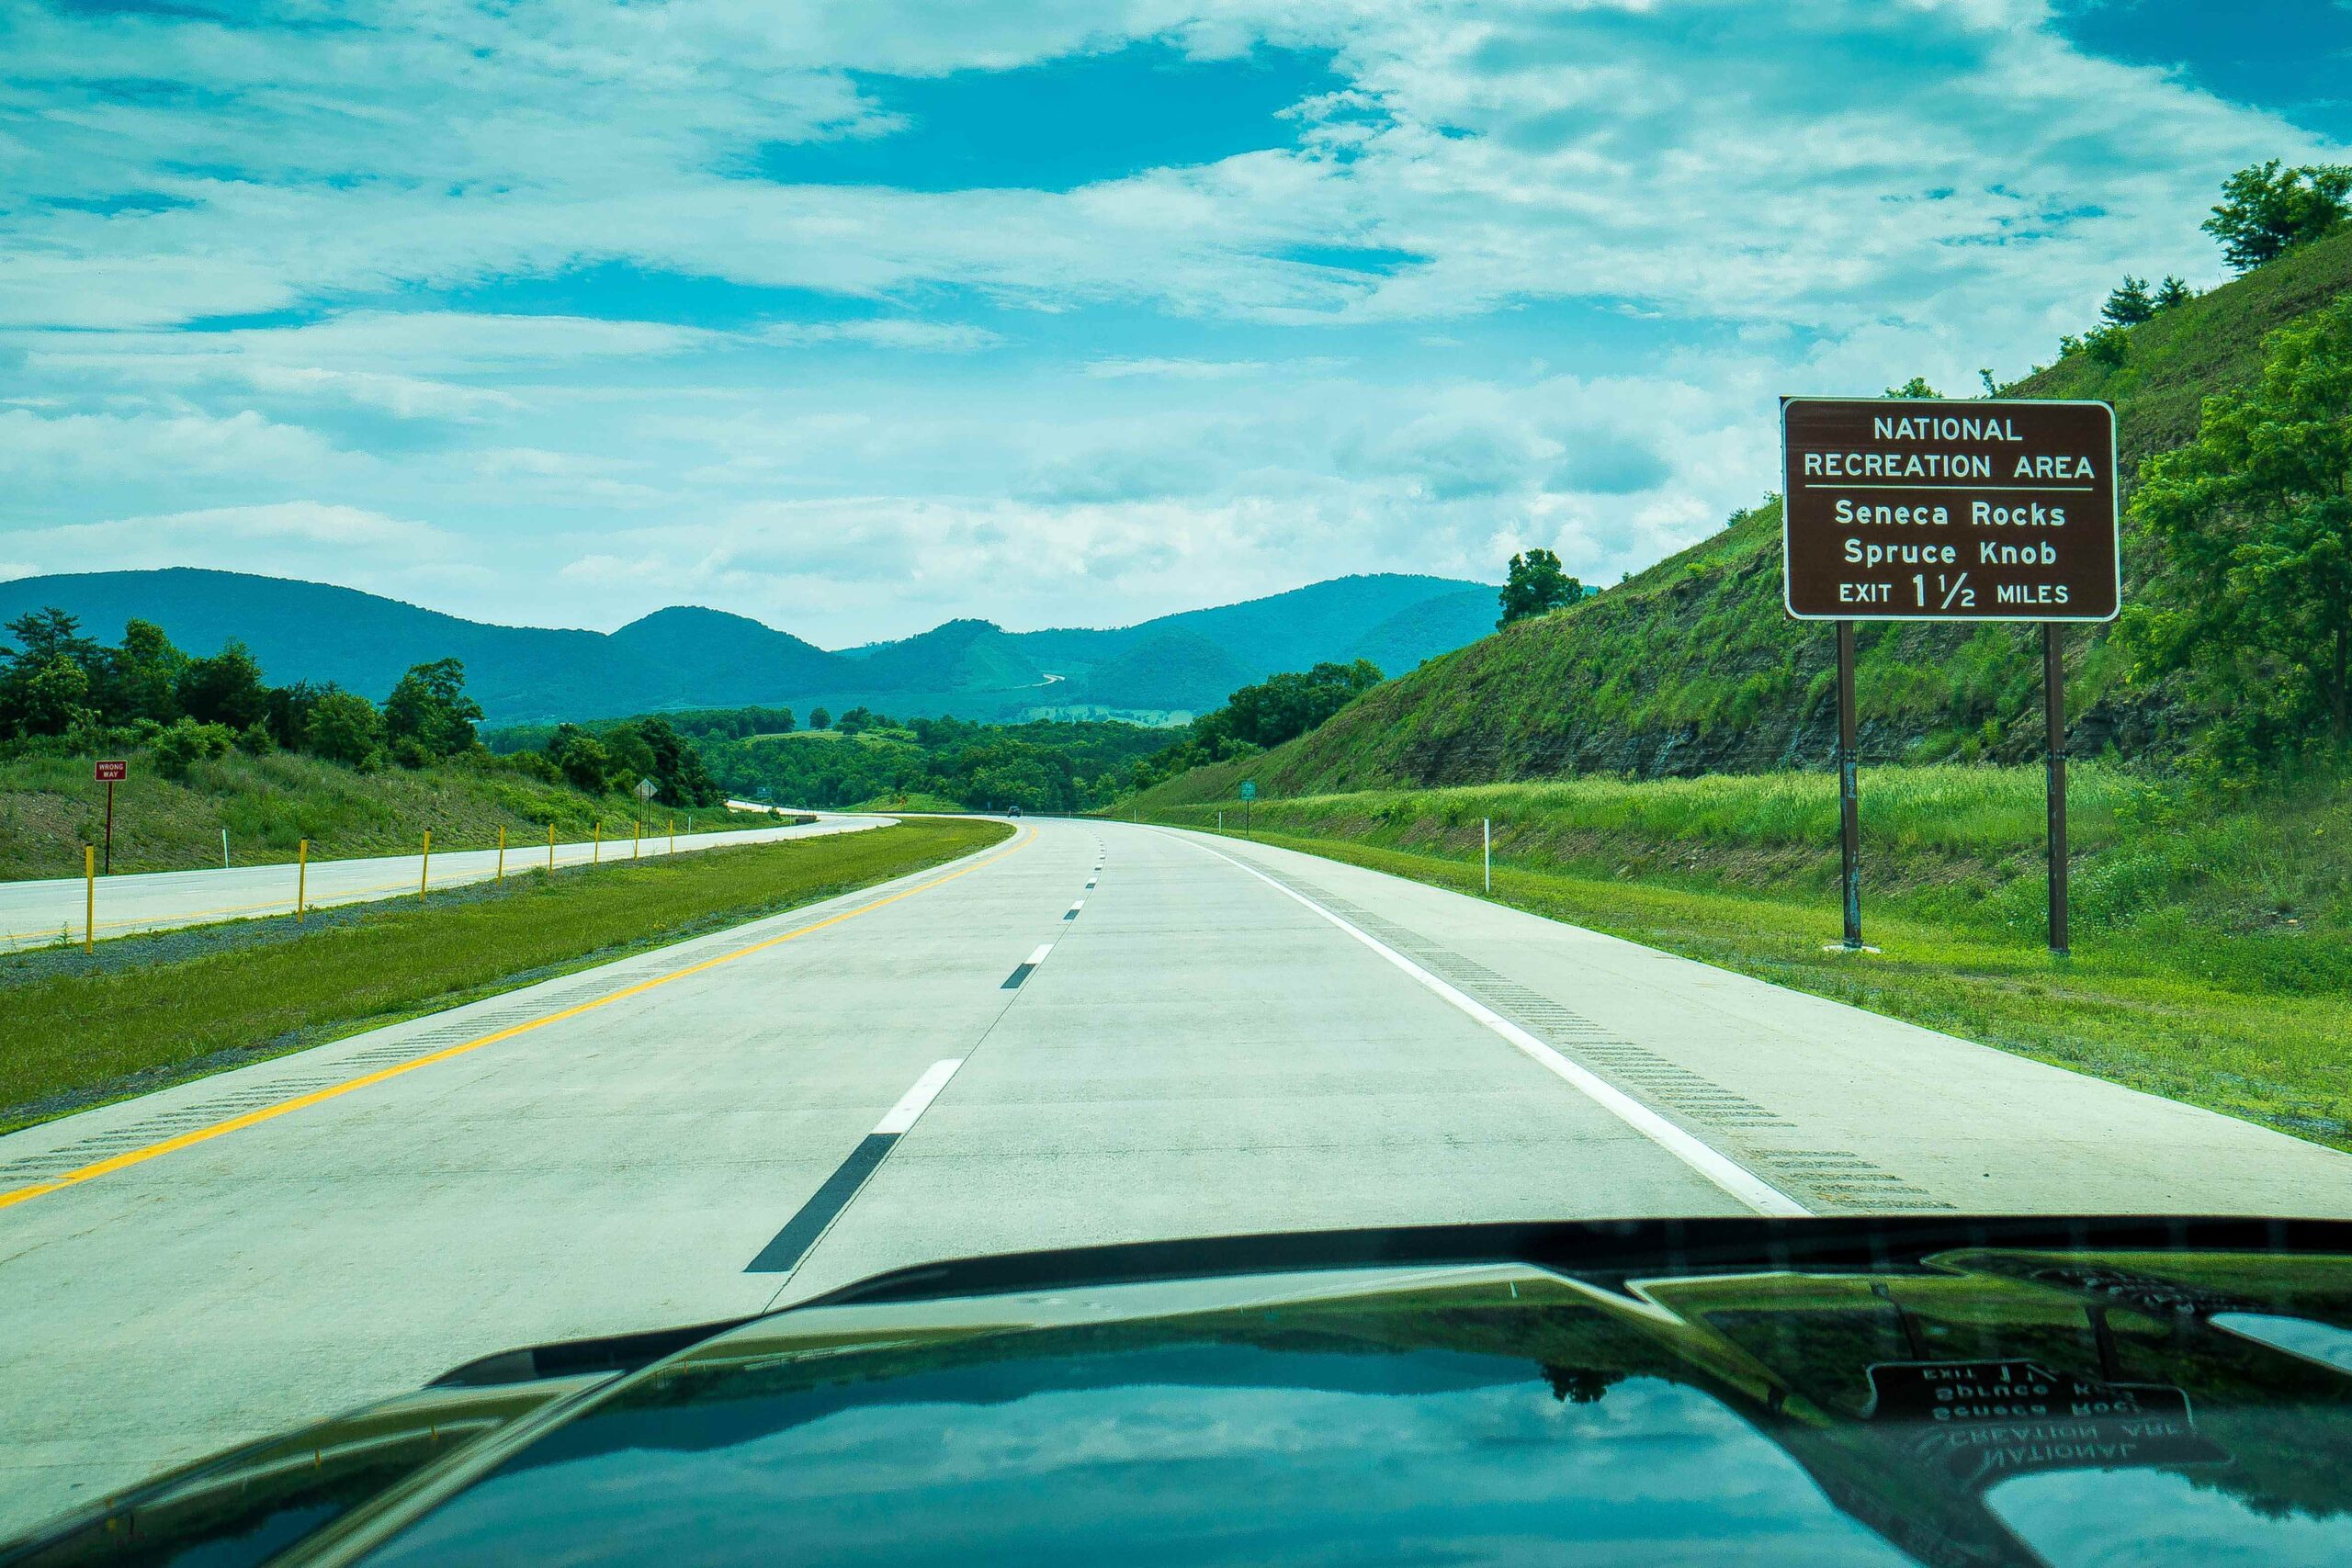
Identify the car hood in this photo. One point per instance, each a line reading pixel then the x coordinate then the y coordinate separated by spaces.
pixel 1938 1391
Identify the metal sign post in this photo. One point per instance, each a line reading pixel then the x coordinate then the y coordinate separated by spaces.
pixel 1850 801
pixel 2053 682
pixel 111 774
pixel 1925 510
pixel 646 790
pixel 1248 794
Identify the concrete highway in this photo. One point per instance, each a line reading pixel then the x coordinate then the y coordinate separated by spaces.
pixel 1095 1033
pixel 38 912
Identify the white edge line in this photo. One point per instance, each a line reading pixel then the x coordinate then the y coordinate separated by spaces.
pixel 1039 956
pixel 917 1100
pixel 1727 1173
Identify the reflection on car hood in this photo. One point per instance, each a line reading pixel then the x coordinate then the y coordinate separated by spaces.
pixel 1945 1393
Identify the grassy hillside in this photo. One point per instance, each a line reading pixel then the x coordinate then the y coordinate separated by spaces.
pixel 2266 882
pixel 2176 359
pixel 49 809
pixel 1692 667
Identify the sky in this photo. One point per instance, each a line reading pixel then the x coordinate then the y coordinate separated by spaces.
pixel 858 317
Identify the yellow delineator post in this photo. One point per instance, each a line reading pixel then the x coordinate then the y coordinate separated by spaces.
pixel 89 896
pixel 425 866
pixel 550 849
pixel 596 843
pixel 673 835
pixel 502 855
pixel 636 837
pixel 302 875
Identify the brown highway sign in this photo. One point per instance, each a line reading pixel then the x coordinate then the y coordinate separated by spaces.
pixel 1903 509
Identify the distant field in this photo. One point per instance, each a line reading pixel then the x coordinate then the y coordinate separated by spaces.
pixel 2212 941
pixel 863 738
pixel 49 808
pixel 75 1030
pixel 912 800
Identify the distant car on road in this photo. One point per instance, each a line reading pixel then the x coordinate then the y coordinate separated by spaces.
pixel 1906 1389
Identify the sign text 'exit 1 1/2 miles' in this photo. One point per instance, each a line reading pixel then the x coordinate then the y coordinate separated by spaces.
pixel 1926 510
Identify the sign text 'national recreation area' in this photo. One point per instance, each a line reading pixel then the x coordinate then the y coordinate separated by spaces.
pixel 1925 510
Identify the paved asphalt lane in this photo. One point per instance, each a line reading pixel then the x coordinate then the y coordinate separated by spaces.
pixel 36 913
pixel 1095 1032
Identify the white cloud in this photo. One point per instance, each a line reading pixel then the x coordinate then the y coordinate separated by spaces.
pixel 935 337
pixel 1375 348
pixel 42 450
pixel 325 541
pixel 1176 369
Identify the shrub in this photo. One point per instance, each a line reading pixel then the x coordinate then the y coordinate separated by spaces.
pixel 186 743
pixel 345 727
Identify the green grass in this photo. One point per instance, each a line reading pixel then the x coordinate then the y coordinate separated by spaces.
pixel 49 808
pixel 909 800
pixel 73 1038
pixel 2212 945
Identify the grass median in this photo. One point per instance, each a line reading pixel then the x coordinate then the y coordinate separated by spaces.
pixel 2210 961
pixel 71 1039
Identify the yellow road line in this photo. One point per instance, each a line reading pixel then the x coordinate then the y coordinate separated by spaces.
pixel 204 1134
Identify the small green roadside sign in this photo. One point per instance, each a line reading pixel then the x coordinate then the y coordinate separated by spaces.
pixel 1248 789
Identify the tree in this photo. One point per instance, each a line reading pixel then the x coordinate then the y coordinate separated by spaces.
pixel 50 698
pixel 428 715
pixel 1289 705
pixel 48 675
pixel 677 766
pixel 2107 344
pixel 44 634
pixel 2129 304
pixel 2172 291
pixel 1536 584
pixel 142 675
pixel 2253 596
pixel 631 756
pixel 343 727
pixel 225 689
pixel 821 719
pixel 2267 211
pixel 579 757
pixel 1915 388
pixel 289 712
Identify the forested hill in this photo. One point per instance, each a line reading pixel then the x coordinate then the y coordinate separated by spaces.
pixel 686 656
pixel 1693 666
